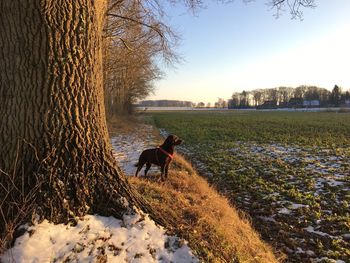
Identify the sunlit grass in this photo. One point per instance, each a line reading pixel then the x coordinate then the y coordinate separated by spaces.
pixel 310 128
pixel 213 228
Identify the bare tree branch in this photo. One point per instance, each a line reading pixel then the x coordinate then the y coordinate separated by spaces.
pixel 294 6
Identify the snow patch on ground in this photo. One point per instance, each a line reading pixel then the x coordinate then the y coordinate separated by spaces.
pixel 311 229
pixel 135 238
pixel 284 211
pixel 128 147
pixel 328 260
pixel 297 206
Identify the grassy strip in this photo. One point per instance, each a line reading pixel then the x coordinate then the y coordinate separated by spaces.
pixel 214 230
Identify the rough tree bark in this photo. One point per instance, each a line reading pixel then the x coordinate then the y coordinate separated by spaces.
pixel 53 126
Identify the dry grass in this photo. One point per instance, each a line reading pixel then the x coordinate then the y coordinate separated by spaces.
pixel 216 231
pixel 16 207
pixel 121 124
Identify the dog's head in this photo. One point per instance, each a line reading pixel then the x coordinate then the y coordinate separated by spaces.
pixel 172 140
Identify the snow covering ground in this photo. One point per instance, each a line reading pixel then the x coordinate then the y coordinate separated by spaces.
pixel 135 238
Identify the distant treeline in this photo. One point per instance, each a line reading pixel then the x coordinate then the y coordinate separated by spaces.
pixel 302 96
pixel 165 103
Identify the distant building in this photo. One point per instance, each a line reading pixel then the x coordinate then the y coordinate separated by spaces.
pixel 346 104
pixel 311 103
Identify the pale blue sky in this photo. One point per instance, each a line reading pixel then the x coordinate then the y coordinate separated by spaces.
pixel 231 47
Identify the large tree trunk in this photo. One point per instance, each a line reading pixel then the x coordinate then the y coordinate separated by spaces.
pixel 53 128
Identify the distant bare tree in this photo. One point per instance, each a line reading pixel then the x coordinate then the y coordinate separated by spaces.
pixel 284 94
pixel 347 95
pixel 273 94
pixel 221 103
pixel 235 100
pixel 312 93
pixel 336 96
pixel 257 96
pixel 324 96
pixel 300 91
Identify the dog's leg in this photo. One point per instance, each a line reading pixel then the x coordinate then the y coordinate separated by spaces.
pixel 166 171
pixel 148 166
pixel 139 167
pixel 162 170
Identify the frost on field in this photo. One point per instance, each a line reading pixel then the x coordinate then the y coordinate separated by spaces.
pixel 297 190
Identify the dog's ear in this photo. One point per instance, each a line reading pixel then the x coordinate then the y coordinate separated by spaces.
pixel 178 141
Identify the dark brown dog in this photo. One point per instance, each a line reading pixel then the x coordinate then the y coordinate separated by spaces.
pixel 160 156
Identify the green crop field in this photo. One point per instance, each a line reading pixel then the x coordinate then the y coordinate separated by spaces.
pixel 290 171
